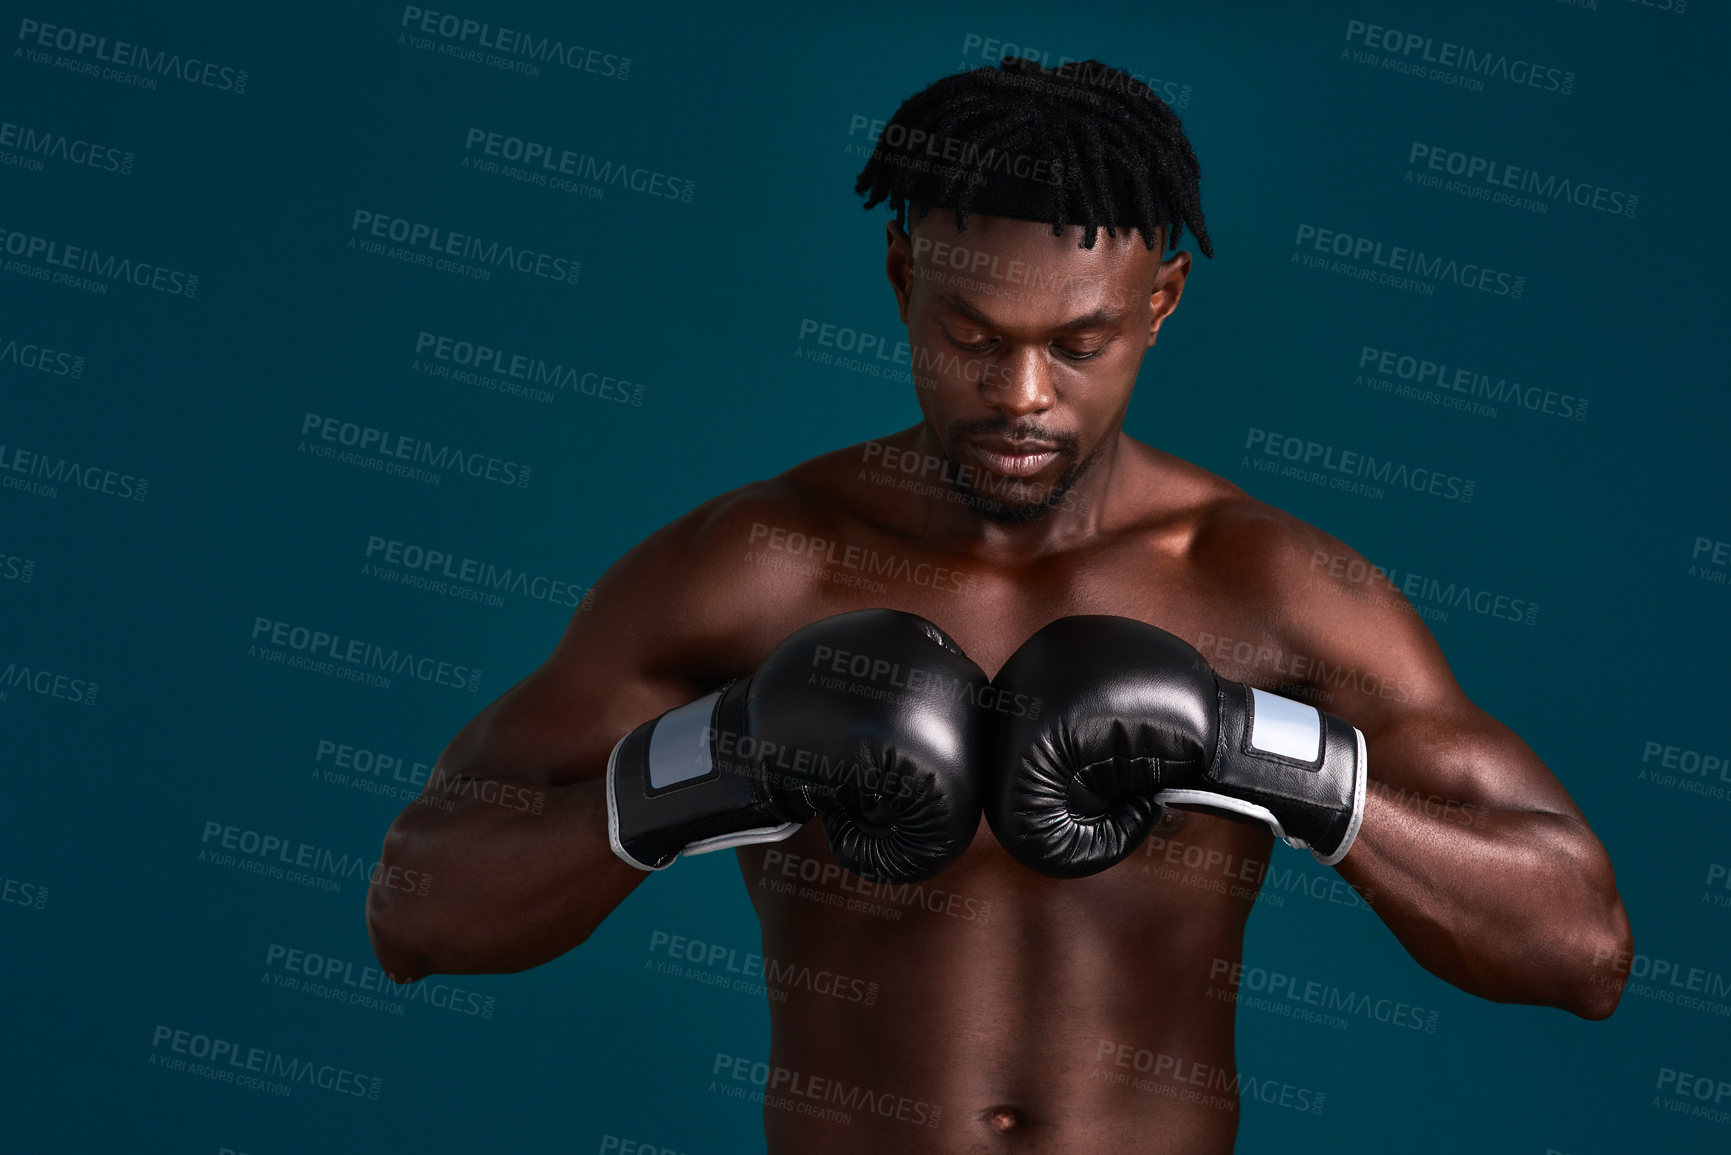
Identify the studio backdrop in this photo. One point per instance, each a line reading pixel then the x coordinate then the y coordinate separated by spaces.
pixel 344 345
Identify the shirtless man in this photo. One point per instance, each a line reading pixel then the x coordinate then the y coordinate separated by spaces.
pixel 1028 322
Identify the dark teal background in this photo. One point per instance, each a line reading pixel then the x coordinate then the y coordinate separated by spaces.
pixel 701 304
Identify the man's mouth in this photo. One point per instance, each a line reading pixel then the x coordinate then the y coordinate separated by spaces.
pixel 1012 458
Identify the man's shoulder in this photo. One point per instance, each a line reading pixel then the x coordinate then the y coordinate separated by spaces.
pixel 1311 590
pixel 1220 526
pixel 709 592
pixel 1246 529
pixel 810 497
pixel 722 539
pixel 743 545
pixel 1265 550
pixel 714 541
pixel 1264 554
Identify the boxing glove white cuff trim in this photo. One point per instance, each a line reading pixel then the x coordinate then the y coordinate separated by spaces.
pixel 613 811
pixel 1222 802
pixel 742 838
pixel 1362 774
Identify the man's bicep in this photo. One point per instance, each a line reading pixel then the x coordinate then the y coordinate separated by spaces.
pixel 557 726
pixel 671 620
pixel 1370 658
pixel 1453 755
pixel 621 660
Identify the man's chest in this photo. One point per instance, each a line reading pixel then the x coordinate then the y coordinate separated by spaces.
pixel 991 609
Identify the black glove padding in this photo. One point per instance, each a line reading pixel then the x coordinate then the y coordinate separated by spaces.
pixel 1132 718
pixel 870 719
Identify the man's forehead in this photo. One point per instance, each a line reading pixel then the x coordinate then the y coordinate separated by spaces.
pixel 1001 270
pixel 1068 307
pixel 1000 257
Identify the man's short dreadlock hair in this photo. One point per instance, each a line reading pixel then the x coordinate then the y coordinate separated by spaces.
pixel 1081 143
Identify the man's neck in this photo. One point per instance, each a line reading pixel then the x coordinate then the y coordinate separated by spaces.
pixel 1080 516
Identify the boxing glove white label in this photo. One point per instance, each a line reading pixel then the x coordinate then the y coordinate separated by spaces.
pixel 1284 728
pixel 679 744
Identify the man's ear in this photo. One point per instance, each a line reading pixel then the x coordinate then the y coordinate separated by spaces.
pixel 899 264
pixel 1168 287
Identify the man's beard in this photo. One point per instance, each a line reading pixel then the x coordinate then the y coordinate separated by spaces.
pixel 1011 500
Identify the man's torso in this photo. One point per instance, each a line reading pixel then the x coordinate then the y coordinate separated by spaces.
pixel 1090 1008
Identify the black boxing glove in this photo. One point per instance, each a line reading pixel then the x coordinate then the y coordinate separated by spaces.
pixel 1132 718
pixel 867 718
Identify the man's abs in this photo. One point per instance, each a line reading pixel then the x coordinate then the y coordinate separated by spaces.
pixel 992 1009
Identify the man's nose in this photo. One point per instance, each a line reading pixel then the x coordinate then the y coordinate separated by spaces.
pixel 1018 385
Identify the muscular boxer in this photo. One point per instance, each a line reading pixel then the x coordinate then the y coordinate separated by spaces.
pixel 1033 257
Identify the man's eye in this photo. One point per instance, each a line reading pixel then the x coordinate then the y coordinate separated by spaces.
pixel 1067 353
pixel 1073 355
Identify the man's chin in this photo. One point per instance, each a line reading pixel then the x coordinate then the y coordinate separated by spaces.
pixel 1005 500
pixel 1002 512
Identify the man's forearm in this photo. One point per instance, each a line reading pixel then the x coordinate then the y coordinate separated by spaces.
pixel 509 887
pixel 1516 906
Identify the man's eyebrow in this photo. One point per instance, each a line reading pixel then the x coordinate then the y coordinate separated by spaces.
pixel 1093 319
